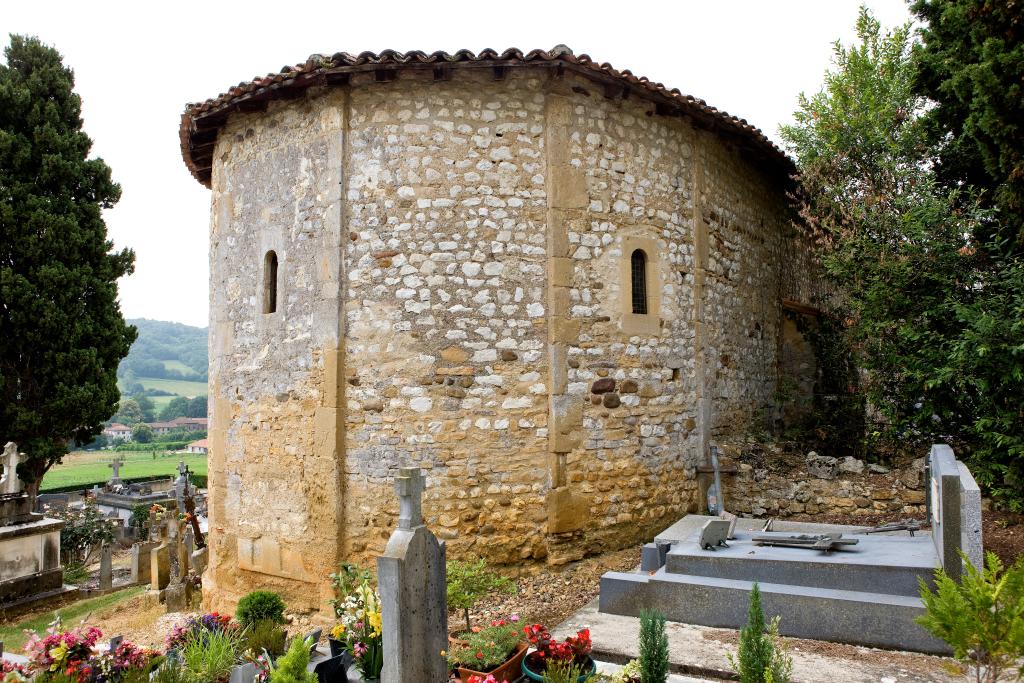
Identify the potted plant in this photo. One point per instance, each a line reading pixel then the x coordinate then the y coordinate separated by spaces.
pixel 574 650
pixel 467 582
pixel 360 630
pixel 497 650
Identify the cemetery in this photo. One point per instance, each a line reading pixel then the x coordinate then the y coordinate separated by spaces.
pixel 525 368
pixel 397 621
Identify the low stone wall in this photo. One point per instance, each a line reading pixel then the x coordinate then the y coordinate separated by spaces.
pixel 765 481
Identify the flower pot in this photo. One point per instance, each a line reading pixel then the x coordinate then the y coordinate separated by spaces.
pixel 337 646
pixel 533 668
pixel 504 672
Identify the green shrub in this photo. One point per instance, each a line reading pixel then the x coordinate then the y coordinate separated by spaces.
pixel 170 672
pixel 653 647
pixel 563 671
pixel 469 581
pixel 494 644
pixel 265 636
pixel 761 657
pixel 260 606
pixel 982 618
pixel 210 655
pixel 291 668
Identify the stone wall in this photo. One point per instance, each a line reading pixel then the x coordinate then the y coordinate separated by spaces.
pixel 453 294
pixel 766 481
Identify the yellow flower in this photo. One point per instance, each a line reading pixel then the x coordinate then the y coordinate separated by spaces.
pixel 375 622
pixel 338 631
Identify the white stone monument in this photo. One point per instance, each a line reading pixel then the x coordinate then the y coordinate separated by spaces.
pixel 411 581
pixel 29 542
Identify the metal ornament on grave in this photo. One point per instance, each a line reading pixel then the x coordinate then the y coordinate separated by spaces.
pixel 826 542
pixel 411 582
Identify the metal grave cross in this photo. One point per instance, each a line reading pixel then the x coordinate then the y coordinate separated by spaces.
pixel 182 468
pixel 410 484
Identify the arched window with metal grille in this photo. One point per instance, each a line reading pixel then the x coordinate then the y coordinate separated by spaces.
pixel 270 282
pixel 638 281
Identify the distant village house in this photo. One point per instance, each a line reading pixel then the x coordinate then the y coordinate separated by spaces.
pixel 199 446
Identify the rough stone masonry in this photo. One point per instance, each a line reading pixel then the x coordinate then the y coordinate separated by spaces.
pixel 545 282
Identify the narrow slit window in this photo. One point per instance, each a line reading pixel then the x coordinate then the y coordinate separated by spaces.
pixel 270 283
pixel 638 280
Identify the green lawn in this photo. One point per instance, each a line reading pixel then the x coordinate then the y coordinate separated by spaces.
pixel 13 635
pixel 86 469
pixel 179 366
pixel 175 386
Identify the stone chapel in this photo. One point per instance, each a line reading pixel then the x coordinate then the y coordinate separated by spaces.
pixel 546 282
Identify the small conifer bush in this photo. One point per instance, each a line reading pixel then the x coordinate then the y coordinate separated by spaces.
pixel 260 606
pixel 761 657
pixel 653 647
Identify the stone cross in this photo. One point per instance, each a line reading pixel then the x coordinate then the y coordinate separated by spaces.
pixel 10 482
pixel 410 485
pixel 411 582
pixel 182 468
pixel 115 465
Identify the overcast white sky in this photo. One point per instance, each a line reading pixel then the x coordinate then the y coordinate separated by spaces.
pixel 138 63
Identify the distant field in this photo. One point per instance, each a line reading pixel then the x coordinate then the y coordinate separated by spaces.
pixel 87 468
pixel 179 366
pixel 160 401
pixel 175 386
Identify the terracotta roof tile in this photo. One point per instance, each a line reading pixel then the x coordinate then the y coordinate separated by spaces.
pixel 201 121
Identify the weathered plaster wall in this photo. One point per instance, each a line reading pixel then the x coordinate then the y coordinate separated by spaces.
pixel 274 484
pixel 467 241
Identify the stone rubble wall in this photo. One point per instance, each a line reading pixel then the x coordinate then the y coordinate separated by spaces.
pixel 273 463
pixel 453 282
pixel 822 485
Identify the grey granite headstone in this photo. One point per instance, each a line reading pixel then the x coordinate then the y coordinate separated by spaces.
pixel 106 568
pixel 243 673
pixel 955 511
pixel 970 517
pixel 411 581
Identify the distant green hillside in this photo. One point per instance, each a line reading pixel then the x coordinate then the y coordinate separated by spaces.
pixel 165 350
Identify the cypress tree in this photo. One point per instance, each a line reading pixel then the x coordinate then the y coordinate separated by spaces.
pixel 63 334
pixel 653 647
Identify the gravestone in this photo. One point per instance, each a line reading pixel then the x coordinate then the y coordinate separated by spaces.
pixel 141 554
pixel 115 466
pixel 955 511
pixel 411 581
pixel 106 568
pixel 30 568
pixel 160 566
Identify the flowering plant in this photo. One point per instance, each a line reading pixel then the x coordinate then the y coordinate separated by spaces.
pixel 480 679
pixel 64 651
pixel 573 648
pixel 214 622
pixel 486 648
pixel 72 654
pixel 13 673
pixel 360 629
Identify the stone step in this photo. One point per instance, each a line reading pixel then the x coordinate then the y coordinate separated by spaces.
pixel 846 616
pixel 888 565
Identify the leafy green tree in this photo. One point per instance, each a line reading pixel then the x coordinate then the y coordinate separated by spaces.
pixel 197 407
pixel 147 407
pixel 970 62
pixel 467 582
pixel 176 407
pixel 63 333
pixel 935 302
pixel 142 433
pixel 982 617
